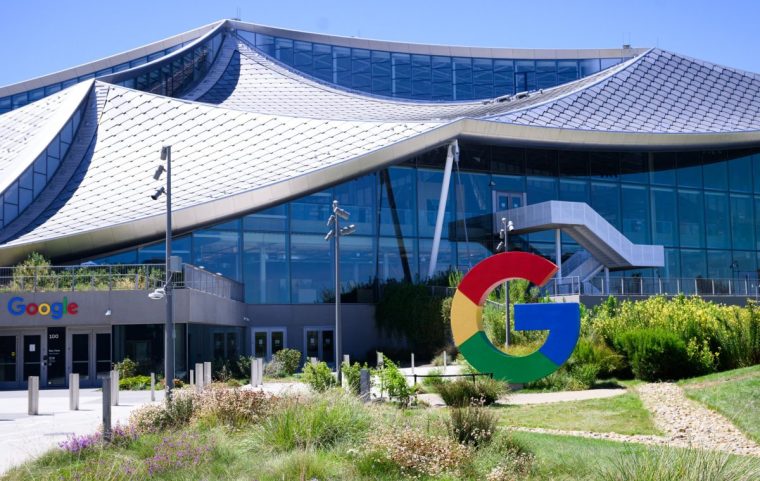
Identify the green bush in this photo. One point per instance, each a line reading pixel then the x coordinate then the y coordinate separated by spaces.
pixel 274 369
pixel 126 368
pixel 318 376
pixel 472 425
pixel 352 374
pixel 244 366
pixel 290 359
pixel 465 392
pixel 597 353
pixel 314 424
pixel 655 354
pixel 394 382
pixel 134 383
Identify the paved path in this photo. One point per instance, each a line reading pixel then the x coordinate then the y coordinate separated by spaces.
pixel 23 437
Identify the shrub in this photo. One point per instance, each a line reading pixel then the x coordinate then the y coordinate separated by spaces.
pixel 120 436
pixel 127 368
pixel 318 376
pixel 676 465
pixel 433 380
pixel 314 424
pixel 654 354
pixel 274 369
pixel 244 366
pixel 465 392
pixel 471 425
pixel 134 383
pixel 415 453
pixel 394 382
pixel 290 360
pixel 352 375
pixel 589 351
pixel 234 408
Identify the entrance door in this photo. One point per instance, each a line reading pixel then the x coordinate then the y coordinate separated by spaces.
pixel 32 358
pixel 267 341
pixel 9 361
pixel 320 343
pixel 89 355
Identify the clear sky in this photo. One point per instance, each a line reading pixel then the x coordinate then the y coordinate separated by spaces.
pixel 38 37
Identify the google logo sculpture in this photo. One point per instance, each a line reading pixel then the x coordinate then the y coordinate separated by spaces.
pixel 562 320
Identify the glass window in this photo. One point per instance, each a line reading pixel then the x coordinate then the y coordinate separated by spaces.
pixel 691 223
pixel 398 206
pixel 357 196
pixel 636 213
pixel 429 194
pixel 474 203
pixel 272 219
pixel 357 268
pixel 604 165
pixel 474 156
pixel 470 253
pixel 155 253
pixel 265 270
pixel 692 266
pixel 573 163
pixel 714 171
pixel 541 189
pixel 573 190
pixel 283 50
pixel 567 71
pixel 541 162
pixel 689 169
pixel 446 257
pixel 634 167
pixel 717 220
pixel 218 251
pixel 740 174
pixel 508 160
pixel 590 66
pixel 311 269
pixel 664 217
pixel 663 168
pixel 719 264
pixel 546 73
pixel 742 226
pixel 672 267
pixel 605 199
pixel 744 265
pixel 397 259
pixel 310 213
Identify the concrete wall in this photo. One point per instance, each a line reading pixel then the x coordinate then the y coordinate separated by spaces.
pixel 127 307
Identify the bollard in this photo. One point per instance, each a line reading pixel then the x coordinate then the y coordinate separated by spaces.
pixel 73 392
pixel 114 388
pixel 313 361
pixel 445 361
pixel 254 372
pixel 192 377
pixel 260 366
pixel 107 391
pixel 153 386
pixel 199 381
pixel 34 395
pixel 364 385
pixel 206 373
pixel 412 363
pixel 347 359
pixel 379 359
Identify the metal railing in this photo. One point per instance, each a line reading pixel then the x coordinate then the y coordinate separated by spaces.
pixel 215 284
pixel 128 277
pixel 648 286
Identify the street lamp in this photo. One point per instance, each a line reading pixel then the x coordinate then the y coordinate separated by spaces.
pixel 506 228
pixel 166 290
pixel 336 232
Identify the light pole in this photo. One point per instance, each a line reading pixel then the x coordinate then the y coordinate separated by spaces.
pixel 337 231
pixel 166 291
pixel 506 228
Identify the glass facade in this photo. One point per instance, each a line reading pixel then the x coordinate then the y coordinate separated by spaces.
pixel 423 77
pixel 709 228
pixel 33 180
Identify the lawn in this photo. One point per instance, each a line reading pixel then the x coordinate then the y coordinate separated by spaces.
pixel 622 414
pixel 735 394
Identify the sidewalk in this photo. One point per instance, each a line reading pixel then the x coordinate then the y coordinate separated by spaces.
pixel 24 437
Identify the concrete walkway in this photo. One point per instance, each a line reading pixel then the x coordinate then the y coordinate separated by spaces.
pixel 24 437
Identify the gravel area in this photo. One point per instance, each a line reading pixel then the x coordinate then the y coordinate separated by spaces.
pixel 688 423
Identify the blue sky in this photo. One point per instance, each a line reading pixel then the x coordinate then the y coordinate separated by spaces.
pixel 42 36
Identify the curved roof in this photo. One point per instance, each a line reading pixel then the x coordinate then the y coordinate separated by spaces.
pixel 254 133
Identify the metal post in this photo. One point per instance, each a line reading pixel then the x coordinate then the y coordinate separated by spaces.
pixel 73 392
pixel 207 374
pixel 659 281
pixel 364 385
pixel 153 386
pixel 106 408
pixel 712 281
pixel 192 377
pixel 607 280
pixel 445 361
pixel 696 288
pixel 347 359
pixel 33 383
pixel 169 333
pixel 729 286
pixel 313 361
pixel 115 387
pixel 641 283
pixel 506 286
pixel 260 368
pixel 254 370
pixel 412 363
pixel 452 152
pixel 379 359
pixel 558 253
pixel 338 336
pixel 199 380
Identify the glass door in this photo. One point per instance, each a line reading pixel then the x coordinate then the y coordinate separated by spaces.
pixel 8 361
pixel 32 352
pixel 260 344
pixel 328 346
pixel 278 341
pixel 312 344
pixel 320 344
pixel 80 357
pixel 102 354
pixel 266 342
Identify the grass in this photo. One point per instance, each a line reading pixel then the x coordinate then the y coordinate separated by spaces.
pixel 622 414
pixel 735 394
